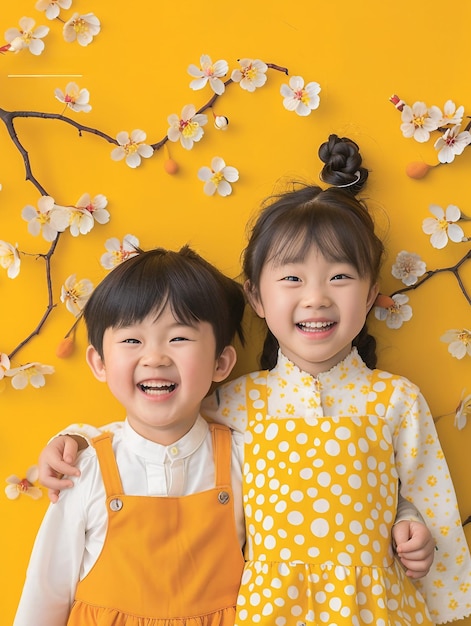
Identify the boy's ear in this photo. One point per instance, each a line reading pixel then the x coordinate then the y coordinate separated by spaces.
pixel 224 364
pixel 253 298
pixel 96 364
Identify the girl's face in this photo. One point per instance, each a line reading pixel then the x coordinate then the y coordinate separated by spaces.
pixel 160 370
pixel 314 308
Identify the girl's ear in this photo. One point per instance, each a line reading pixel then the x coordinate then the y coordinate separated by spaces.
pixel 253 298
pixel 372 295
pixel 224 364
pixel 96 364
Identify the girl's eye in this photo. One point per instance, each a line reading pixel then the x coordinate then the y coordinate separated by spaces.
pixel 178 339
pixel 292 279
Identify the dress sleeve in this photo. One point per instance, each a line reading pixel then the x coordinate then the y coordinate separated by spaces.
pixel 228 405
pixel 426 482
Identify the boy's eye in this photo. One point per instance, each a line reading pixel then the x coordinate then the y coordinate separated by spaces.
pixel 340 276
pixel 131 340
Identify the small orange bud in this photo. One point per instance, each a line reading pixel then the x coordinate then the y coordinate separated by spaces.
pixel 384 301
pixel 171 166
pixel 66 347
pixel 417 169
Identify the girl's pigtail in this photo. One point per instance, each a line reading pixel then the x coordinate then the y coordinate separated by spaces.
pixel 366 346
pixel 343 166
pixel 269 354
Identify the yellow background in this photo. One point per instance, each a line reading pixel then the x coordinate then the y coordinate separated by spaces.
pixel 136 72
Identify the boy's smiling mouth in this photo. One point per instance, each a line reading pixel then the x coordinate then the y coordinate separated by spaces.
pixel 157 389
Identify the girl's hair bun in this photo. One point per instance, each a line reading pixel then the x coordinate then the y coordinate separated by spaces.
pixel 343 164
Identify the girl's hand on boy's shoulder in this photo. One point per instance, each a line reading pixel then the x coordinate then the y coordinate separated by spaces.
pixel 57 460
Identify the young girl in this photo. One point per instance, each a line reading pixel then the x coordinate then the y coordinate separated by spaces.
pixel 153 531
pixel 330 441
pixel 325 436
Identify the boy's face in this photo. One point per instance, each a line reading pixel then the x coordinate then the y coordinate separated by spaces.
pixel 160 370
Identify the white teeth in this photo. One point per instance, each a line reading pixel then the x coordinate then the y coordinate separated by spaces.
pixel 157 388
pixel 315 324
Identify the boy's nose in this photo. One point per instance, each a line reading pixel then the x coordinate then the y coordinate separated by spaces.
pixel 157 358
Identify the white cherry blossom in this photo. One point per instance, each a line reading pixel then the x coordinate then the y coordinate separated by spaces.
pixel 187 128
pixel 48 219
pixel 395 315
pixel 300 98
pixel 218 177
pixel 27 36
pixel 452 143
pixel 418 121
pixel 132 148
pixel 408 267
pixel 443 227
pixel 117 251
pixel 251 75
pixel 81 28
pixel 52 7
pixel 9 259
pixel 74 97
pixel 31 373
pixel 75 293
pixel 451 115
pixel 459 342
pixel 208 72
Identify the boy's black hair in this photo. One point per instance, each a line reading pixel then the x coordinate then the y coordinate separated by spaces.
pixel 145 283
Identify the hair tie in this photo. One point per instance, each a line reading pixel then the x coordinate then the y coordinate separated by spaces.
pixel 354 182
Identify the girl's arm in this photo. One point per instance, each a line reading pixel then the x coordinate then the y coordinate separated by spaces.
pixel 59 457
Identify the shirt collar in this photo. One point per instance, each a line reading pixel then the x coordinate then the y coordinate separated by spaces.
pixel 155 452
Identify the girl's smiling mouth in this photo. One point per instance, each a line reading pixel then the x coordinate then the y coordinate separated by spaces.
pixel 315 327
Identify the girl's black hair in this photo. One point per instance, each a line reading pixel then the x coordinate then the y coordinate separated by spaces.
pixel 145 283
pixel 333 220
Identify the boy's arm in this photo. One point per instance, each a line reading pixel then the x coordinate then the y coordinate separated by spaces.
pixel 54 566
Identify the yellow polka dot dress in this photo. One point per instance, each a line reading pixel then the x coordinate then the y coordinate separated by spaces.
pixel 323 461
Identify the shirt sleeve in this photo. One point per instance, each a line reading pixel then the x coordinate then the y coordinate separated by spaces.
pixel 426 482
pixel 60 550
pixel 88 432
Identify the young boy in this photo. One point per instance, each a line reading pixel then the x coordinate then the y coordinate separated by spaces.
pixel 154 527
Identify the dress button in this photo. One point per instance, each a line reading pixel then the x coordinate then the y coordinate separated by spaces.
pixel 174 451
pixel 116 504
pixel 223 497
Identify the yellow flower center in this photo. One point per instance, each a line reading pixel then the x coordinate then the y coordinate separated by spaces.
pixel 250 72
pixel 80 25
pixel 189 129
pixel 131 147
pixel 420 121
pixel 465 337
pixel 217 178
pixel 302 95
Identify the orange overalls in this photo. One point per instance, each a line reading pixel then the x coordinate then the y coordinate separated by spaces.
pixel 166 561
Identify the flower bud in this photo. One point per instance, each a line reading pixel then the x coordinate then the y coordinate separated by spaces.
pixel 417 169
pixel 66 347
pixel 221 122
pixel 383 301
pixel 171 166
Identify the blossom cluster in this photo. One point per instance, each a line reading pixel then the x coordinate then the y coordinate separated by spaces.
pixel 412 271
pixel 419 121
pixel 81 28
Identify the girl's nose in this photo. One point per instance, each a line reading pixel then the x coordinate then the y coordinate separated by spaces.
pixel 315 297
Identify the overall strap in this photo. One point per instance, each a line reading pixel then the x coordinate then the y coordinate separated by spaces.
pixel 222 452
pixel 108 466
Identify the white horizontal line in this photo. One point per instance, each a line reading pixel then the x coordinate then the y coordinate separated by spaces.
pixel 45 75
